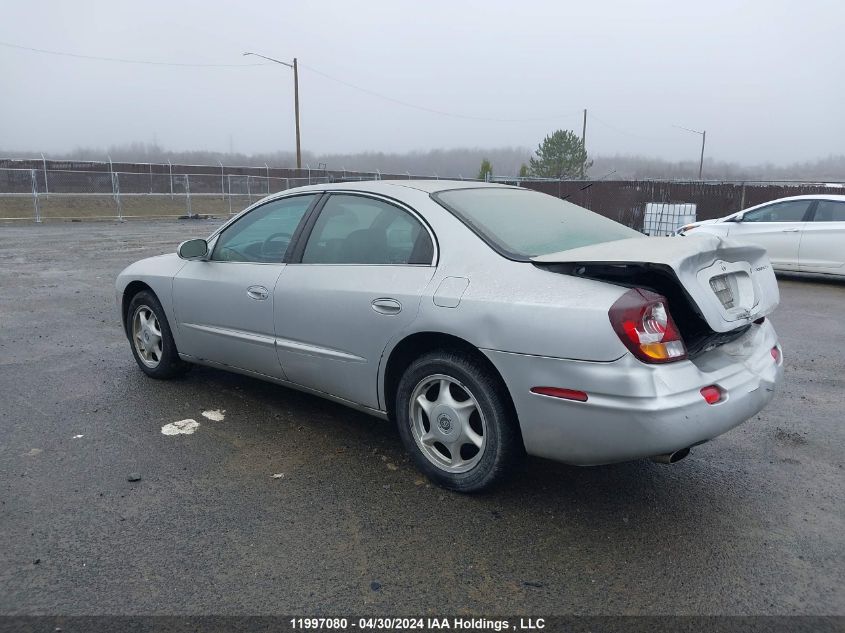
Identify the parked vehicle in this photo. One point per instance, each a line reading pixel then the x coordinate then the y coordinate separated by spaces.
pixel 801 233
pixel 487 321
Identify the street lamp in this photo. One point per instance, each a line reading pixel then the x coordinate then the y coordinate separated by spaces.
pixel 295 100
pixel 703 138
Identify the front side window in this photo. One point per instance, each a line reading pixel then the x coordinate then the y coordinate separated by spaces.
pixel 264 234
pixel 789 211
pixel 359 230
pixel 522 224
pixel 830 211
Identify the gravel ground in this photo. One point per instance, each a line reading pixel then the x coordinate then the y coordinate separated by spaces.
pixel 751 523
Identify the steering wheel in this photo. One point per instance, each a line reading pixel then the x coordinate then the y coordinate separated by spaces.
pixel 272 237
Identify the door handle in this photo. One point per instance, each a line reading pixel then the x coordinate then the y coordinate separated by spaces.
pixel 259 293
pixel 387 306
pixel 790 230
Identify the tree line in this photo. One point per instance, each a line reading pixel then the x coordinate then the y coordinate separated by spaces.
pixel 465 162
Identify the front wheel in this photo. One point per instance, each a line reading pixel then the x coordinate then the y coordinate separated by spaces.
pixel 151 339
pixel 457 422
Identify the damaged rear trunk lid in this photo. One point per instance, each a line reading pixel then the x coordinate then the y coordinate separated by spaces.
pixel 715 287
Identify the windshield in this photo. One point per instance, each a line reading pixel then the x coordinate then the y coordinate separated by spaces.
pixel 521 224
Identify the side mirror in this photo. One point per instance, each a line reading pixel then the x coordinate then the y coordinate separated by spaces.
pixel 738 217
pixel 193 249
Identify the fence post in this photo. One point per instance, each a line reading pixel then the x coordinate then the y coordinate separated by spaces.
pixel 248 189
pixel 170 169
pixel 222 185
pixel 229 178
pixel 44 162
pixel 742 200
pixel 151 177
pixel 309 173
pixel 35 196
pixel 115 190
pixel 188 192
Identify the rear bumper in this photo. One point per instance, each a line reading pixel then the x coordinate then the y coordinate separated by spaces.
pixel 636 410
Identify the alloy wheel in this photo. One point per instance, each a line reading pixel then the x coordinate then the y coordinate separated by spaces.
pixel 146 336
pixel 447 424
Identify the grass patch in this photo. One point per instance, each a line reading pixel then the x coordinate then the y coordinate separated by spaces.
pixel 96 206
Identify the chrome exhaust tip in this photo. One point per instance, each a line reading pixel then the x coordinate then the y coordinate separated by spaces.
pixel 671 458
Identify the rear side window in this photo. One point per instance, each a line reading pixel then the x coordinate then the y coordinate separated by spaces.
pixel 830 211
pixel 360 230
pixel 789 211
pixel 522 224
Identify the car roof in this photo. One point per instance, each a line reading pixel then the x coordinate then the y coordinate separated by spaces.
pixel 812 196
pixel 389 186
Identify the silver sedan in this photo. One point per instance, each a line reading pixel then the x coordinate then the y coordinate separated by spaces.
pixel 487 321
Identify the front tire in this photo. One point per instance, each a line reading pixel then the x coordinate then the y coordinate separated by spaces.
pixel 151 339
pixel 457 421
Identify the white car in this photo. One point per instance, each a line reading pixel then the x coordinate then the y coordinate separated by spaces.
pixel 801 233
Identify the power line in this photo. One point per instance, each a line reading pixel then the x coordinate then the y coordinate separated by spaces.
pixel 415 106
pixel 372 93
pixel 614 128
pixel 125 61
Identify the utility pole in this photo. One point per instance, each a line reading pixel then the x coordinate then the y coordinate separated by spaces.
pixel 295 100
pixel 296 113
pixel 703 139
pixel 584 143
pixel 701 160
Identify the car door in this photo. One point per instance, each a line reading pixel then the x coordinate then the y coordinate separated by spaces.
pixel 354 283
pixel 777 228
pixel 224 304
pixel 823 243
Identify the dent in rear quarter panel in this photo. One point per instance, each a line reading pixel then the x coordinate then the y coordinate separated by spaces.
pixel 158 273
pixel 516 307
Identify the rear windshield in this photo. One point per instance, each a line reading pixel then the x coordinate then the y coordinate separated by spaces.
pixel 521 224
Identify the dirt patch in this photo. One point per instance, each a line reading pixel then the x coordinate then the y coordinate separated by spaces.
pixel 792 437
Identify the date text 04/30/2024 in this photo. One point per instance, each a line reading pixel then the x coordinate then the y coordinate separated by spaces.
pixel 419 624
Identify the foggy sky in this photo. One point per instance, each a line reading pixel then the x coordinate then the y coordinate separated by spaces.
pixel 764 78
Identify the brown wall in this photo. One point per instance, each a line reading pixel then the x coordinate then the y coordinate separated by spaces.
pixel 625 200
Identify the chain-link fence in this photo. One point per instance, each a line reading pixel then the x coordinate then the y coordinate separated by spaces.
pixel 31 194
pixel 42 190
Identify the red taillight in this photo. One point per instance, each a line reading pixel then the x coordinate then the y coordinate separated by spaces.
pixel 642 321
pixel 711 394
pixel 559 392
pixel 776 354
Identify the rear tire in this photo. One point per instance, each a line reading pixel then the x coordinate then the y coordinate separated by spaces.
pixel 151 339
pixel 457 421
